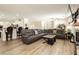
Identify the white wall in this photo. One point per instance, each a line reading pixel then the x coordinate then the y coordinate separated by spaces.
pixel 5 24
pixel 47 24
pixel 36 23
pixel 20 23
pixel 43 23
pixel 59 21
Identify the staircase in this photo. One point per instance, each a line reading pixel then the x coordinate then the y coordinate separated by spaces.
pixel 74 20
pixel 74 15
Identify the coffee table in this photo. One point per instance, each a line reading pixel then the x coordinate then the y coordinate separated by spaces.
pixel 49 39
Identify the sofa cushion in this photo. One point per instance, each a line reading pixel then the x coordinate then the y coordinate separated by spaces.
pixel 34 37
pixel 60 31
pixel 28 31
pixel 36 32
pixel 30 36
pixel 39 31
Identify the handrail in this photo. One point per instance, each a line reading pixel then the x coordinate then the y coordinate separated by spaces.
pixel 75 50
pixel 70 11
pixel 74 15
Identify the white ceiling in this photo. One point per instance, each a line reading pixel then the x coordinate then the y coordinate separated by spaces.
pixel 35 10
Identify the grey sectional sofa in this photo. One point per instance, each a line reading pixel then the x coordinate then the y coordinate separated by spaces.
pixel 60 34
pixel 29 35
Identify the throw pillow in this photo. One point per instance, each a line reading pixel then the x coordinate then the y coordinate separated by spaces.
pixel 36 32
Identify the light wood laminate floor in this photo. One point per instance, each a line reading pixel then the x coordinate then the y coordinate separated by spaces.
pixel 16 47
